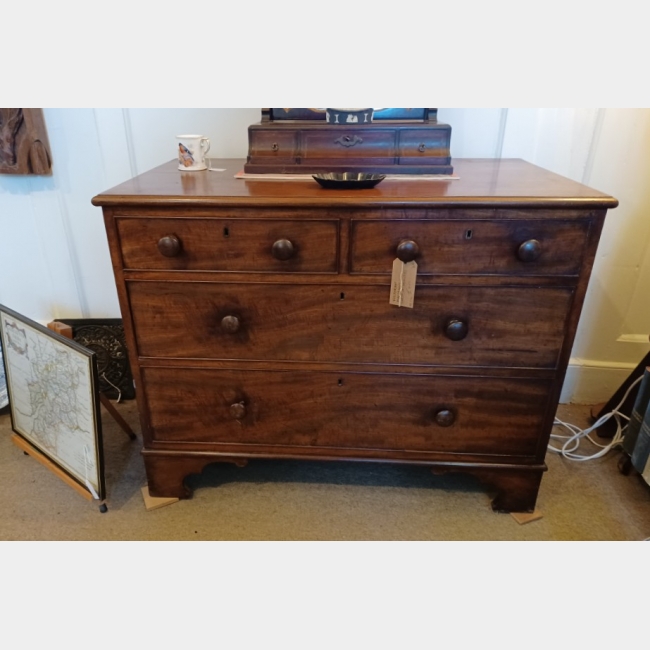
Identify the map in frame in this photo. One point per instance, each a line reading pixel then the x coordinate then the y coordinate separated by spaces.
pixel 54 401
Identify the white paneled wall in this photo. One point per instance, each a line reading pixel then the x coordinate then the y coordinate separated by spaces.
pixel 476 132
pixel 153 131
pixel 54 260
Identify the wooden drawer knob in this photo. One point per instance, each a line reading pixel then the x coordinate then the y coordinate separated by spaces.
pixel 445 417
pixel 230 324
pixel 456 329
pixel 529 251
pixel 283 250
pixel 238 410
pixel 407 250
pixel 170 246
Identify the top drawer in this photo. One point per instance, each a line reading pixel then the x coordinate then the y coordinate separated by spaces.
pixel 472 247
pixel 243 245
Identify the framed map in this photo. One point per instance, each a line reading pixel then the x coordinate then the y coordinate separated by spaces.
pixel 53 397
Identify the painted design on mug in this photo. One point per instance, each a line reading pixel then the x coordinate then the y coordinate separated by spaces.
pixel 185 155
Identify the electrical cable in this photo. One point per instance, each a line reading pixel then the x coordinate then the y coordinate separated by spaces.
pixel 572 442
pixel 108 381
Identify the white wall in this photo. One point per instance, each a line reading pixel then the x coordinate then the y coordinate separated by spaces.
pixel 54 260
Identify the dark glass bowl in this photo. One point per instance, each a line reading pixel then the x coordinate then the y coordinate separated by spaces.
pixel 348 180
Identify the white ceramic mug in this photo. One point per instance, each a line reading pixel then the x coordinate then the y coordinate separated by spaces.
pixel 191 150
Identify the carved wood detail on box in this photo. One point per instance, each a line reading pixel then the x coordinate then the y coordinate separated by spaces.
pixel 24 146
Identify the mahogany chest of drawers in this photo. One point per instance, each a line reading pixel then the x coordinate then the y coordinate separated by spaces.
pixel 259 326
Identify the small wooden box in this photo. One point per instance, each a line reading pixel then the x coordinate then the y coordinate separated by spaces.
pixel 388 145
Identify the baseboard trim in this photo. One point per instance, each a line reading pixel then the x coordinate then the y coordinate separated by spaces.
pixel 593 382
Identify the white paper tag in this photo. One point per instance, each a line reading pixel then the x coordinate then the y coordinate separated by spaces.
pixel 402 286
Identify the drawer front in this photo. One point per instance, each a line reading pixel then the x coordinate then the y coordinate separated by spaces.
pixel 424 147
pixel 266 146
pixel 346 410
pixel 229 245
pixel 471 247
pixel 362 145
pixel 462 326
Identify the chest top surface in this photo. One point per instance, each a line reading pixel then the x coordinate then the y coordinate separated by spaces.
pixel 480 183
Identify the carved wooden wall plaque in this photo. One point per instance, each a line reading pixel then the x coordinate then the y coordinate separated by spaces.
pixel 24 147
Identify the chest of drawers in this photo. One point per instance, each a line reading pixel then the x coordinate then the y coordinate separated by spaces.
pixel 259 326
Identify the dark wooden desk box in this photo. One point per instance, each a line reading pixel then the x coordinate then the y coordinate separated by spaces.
pixel 386 146
pixel 242 353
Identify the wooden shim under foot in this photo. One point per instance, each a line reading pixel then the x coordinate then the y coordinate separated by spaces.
pixel 153 503
pixel 526 517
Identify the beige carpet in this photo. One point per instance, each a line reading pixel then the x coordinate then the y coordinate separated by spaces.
pixel 282 500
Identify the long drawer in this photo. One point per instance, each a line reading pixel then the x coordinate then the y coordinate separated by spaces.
pixel 513 247
pixel 336 144
pixel 484 326
pixel 346 410
pixel 248 245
